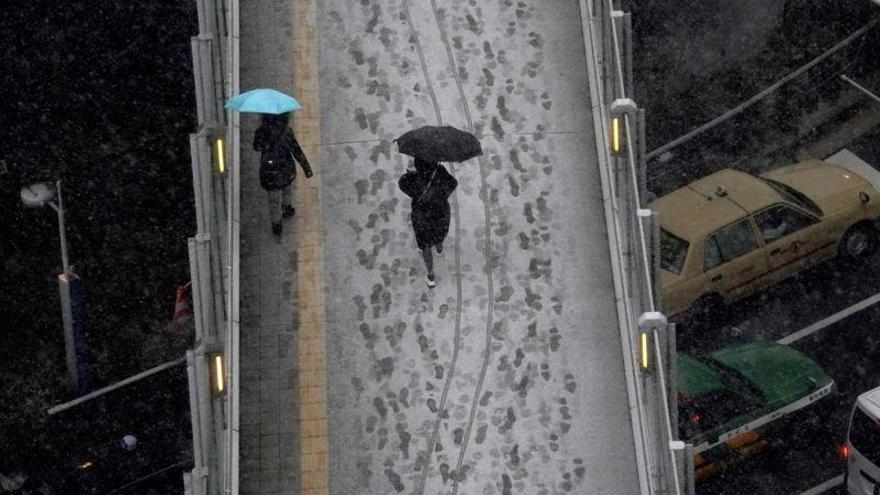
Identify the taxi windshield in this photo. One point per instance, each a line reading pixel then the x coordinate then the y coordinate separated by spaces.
pixel 673 251
pixel 794 196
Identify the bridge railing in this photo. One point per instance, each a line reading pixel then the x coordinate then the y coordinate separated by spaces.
pixel 664 463
pixel 212 364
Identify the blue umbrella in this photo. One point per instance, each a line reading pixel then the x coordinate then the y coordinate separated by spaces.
pixel 263 101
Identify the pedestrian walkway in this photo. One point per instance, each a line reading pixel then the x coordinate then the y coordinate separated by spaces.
pixel 269 437
pixel 508 376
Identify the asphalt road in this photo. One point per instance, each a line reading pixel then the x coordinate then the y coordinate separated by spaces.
pixel 805 454
pixel 806 450
pixel 155 410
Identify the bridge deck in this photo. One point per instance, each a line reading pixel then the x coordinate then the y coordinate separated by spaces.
pixel 510 371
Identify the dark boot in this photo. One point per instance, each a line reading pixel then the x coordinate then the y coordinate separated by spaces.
pixel 287 211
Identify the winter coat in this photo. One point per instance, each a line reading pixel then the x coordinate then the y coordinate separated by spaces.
pixel 278 150
pixel 430 204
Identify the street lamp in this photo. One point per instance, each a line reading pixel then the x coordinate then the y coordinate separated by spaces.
pixel 38 195
pixel 70 288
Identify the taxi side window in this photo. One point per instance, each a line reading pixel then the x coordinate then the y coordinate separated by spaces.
pixel 781 220
pixel 730 243
pixel 713 254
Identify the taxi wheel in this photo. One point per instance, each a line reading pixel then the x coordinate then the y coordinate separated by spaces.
pixel 860 241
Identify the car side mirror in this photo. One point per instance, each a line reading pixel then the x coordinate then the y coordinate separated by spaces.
pixel 864 197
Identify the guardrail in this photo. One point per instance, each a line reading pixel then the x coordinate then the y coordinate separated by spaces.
pixel 665 464
pixel 212 366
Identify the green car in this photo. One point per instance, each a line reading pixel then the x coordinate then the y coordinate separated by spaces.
pixel 727 399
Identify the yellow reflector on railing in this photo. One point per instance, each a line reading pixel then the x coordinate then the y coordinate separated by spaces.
pixel 221 156
pixel 615 134
pixel 644 349
pixel 218 374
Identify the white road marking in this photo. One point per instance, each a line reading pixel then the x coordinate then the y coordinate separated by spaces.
pixel 816 490
pixel 819 325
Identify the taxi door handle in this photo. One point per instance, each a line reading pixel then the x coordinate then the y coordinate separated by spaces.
pixel 716 278
pixel 776 251
pixel 746 269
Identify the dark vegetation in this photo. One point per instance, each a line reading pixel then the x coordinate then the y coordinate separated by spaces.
pixel 98 94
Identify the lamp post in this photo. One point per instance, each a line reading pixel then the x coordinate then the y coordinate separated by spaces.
pixel 70 289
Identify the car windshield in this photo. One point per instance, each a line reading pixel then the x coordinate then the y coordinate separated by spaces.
pixel 673 251
pixel 735 380
pixel 793 195
pixel 864 434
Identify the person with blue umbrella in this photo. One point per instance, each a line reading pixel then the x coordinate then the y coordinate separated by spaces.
pixel 263 100
pixel 278 149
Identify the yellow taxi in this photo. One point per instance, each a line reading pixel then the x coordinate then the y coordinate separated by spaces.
pixel 730 234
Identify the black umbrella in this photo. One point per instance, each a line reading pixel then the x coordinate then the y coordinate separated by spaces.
pixel 439 144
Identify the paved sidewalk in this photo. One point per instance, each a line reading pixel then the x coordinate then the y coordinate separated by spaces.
pixel 508 377
pixel 269 412
pixel 509 373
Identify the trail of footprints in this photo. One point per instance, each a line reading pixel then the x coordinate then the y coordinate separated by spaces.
pixel 400 396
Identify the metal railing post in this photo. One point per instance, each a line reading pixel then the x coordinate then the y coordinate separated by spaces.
pixel 188 484
pixel 195 286
pixel 219 427
pixel 606 60
pixel 690 477
pixel 672 378
pixel 641 161
pixel 209 445
pixel 655 260
pixel 206 291
pixel 195 151
pixel 206 182
pixel 628 52
pixel 196 480
pixel 618 24
pixel 218 249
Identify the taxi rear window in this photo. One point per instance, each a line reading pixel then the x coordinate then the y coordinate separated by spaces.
pixel 673 250
pixel 864 434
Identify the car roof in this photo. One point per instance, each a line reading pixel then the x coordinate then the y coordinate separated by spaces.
pixel 870 400
pixel 776 370
pixel 696 210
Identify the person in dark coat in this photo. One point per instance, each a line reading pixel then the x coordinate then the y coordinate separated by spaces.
pixel 278 150
pixel 429 186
